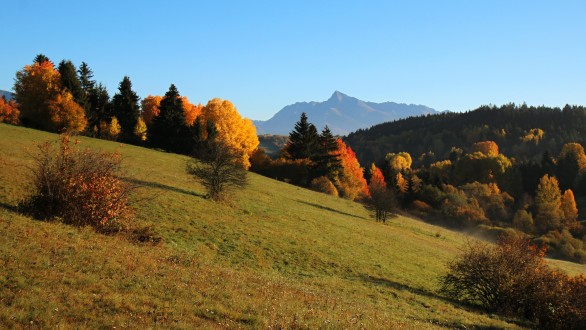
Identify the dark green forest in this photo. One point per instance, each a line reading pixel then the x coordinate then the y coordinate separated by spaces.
pixel 522 132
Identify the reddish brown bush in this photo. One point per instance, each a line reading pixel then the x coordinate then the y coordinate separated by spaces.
pixel 323 185
pixel 80 187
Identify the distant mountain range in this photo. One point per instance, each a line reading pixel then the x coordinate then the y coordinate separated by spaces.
pixel 341 113
pixel 7 95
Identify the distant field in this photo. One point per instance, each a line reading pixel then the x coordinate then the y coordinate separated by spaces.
pixel 275 256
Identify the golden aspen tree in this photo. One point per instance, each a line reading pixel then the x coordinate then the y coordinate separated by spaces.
pixel 233 131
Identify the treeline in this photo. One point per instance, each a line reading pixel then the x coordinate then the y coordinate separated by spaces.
pixel 522 132
pixel 67 99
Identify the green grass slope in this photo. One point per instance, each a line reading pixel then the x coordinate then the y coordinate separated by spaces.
pixel 275 256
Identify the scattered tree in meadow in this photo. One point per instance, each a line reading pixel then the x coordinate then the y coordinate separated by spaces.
pixel 218 167
pixel 232 131
pixel 9 112
pixel 381 199
pixel 569 209
pixel 326 156
pixel 125 107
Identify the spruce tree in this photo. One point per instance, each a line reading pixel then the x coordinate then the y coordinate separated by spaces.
pixel 100 109
pixel 125 108
pixel 40 58
pixel 326 159
pixel 169 130
pixel 71 83
pixel 303 140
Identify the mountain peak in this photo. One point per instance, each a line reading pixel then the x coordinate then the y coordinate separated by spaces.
pixel 338 96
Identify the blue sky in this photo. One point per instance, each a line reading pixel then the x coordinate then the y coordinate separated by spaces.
pixel 264 55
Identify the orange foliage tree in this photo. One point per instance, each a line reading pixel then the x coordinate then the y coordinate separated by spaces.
pixel 381 198
pixel 191 111
pixel 65 114
pixel 9 112
pixel 489 148
pixel 232 130
pixel 569 209
pixel 35 86
pixel 351 182
pixel 150 108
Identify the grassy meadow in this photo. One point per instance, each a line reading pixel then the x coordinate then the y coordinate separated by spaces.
pixel 274 256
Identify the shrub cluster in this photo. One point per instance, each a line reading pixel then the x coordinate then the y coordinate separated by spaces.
pixel 79 186
pixel 512 278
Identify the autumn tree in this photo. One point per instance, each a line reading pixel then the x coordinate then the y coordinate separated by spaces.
pixel 140 130
pixel 35 86
pixel 65 114
pixel 9 112
pixel 381 198
pixel 169 130
pixel 569 209
pixel 489 148
pixel 191 111
pixel 233 131
pixel 150 108
pixel 548 214
pixel 398 162
pixel 303 140
pixel 125 108
pixel 350 181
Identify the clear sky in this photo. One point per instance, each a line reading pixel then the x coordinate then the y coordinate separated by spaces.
pixel 264 55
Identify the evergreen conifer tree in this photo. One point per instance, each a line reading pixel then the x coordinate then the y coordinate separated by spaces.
pixel 169 130
pixel 71 83
pixel 125 108
pixel 41 58
pixel 327 160
pixel 303 140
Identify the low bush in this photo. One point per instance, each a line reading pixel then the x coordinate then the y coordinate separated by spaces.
pixel 512 278
pixel 78 186
pixel 323 185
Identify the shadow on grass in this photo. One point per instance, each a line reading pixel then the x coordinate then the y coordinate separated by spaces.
pixel 9 207
pixel 454 325
pixel 157 185
pixel 321 207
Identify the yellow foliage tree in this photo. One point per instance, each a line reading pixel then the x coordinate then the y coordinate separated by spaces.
pixel 399 162
pixel 65 114
pixel 232 130
pixel 140 130
pixel 150 108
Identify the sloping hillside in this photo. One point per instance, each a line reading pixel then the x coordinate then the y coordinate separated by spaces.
pixel 275 256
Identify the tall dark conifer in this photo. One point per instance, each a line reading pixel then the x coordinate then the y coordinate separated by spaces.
pixel 126 109
pixel 169 130
pixel 99 101
pixel 71 83
pixel 303 140
pixel 327 161
pixel 40 58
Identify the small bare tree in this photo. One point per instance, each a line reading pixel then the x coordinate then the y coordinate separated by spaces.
pixel 216 167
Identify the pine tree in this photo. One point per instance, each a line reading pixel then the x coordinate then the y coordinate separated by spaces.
pixel 125 108
pixel 303 140
pixel 71 83
pixel 100 111
pixel 40 58
pixel 85 78
pixel 169 130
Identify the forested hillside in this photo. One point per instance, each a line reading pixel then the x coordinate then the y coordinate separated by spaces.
pixel 522 132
